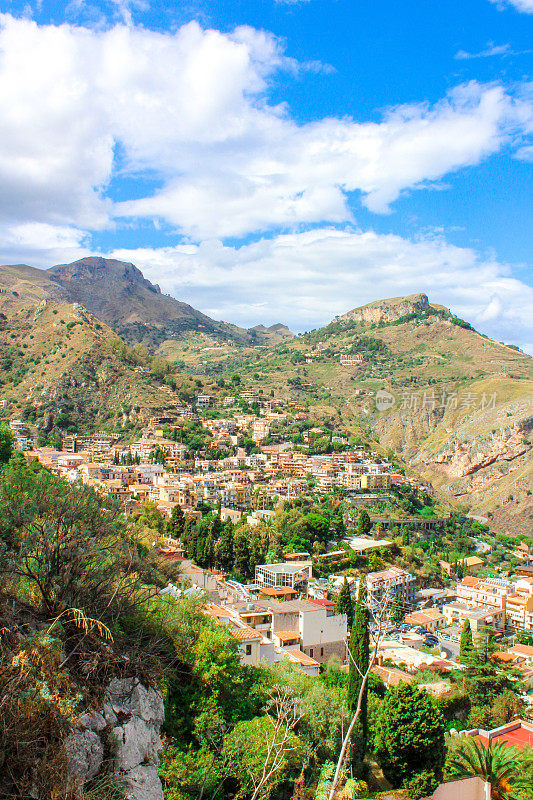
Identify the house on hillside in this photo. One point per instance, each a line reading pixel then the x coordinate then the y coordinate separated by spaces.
pixel 431 619
pixel 472 564
pixel 295 574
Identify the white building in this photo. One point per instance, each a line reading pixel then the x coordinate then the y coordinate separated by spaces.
pixel 295 575
pixel 392 582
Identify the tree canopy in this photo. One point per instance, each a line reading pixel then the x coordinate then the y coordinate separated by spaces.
pixel 410 736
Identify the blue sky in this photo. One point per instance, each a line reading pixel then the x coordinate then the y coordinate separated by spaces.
pixel 277 161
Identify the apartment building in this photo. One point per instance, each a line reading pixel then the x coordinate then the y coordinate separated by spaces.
pixel 236 495
pixel 116 489
pixel 351 360
pixel 378 480
pixel 250 396
pixel 260 430
pixel 513 599
pixel 304 625
pixel 490 592
pixel 482 616
pixel 519 606
pixel 295 574
pixel 350 480
pixel 97 442
pixel 392 582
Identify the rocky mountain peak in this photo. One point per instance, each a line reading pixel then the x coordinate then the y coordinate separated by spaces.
pixel 389 310
pixel 102 269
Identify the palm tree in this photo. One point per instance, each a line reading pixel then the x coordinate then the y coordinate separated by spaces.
pixel 495 763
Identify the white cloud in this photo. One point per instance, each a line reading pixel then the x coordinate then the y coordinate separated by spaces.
pixel 292 174
pixel 191 110
pixel 491 50
pixel 38 243
pixel 525 153
pixel 520 5
pixel 305 279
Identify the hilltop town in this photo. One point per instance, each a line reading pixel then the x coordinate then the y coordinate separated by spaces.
pixel 254 505
pixel 207 470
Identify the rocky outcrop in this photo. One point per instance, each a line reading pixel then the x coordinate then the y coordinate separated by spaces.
pixel 385 311
pixel 469 457
pixel 123 738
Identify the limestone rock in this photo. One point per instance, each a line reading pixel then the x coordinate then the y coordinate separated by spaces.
pixel 93 720
pixel 128 696
pixel 134 713
pixel 85 753
pixel 384 311
pixel 139 742
pixel 142 783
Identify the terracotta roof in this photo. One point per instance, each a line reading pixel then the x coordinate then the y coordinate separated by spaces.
pixel 521 649
pixel 516 734
pixel 245 634
pixel 218 611
pixel 424 616
pixel 304 659
pixel 391 676
pixel 323 603
pixel 469 580
pixel 286 635
pixel 499 655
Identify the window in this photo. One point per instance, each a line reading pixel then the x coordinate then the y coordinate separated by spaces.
pixel 321 652
pixel 248 649
pixel 311 651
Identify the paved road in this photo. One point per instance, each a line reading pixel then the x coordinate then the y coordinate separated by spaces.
pixel 450 648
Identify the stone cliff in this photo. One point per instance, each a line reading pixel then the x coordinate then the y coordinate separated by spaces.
pixel 122 738
pixel 384 311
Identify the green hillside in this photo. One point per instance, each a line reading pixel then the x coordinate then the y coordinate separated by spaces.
pixel 462 410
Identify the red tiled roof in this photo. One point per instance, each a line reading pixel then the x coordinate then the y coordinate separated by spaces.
pixel 245 634
pixel 304 659
pixel 499 655
pixel 522 650
pixel 392 676
pixel 285 636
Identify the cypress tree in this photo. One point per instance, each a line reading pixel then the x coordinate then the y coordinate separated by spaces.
pixel 176 523
pixel 397 609
pixel 241 553
pixel 359 660
pixel 466 645
pixel 344 604
pixel 224 549
pixel 364 524
pixel 209 552
pixel 200 550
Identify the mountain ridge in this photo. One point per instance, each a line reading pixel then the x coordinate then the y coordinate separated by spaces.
pixel 417 351
pixel 118 294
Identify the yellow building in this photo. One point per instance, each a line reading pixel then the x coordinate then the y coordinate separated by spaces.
pixel 380 480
